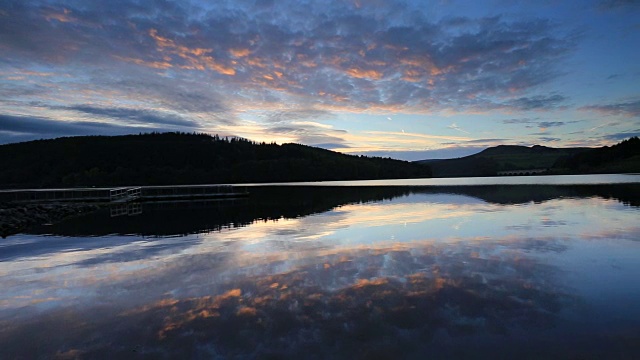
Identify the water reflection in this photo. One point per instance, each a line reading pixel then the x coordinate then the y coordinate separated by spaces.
pixel 371 272
pixel 277 202
pixel 358 304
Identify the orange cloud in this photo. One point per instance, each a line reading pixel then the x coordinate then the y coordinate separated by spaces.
pixel 151 64
pixel 364 74
pixel 62 17
pixel 425 63
pixel 309 64
pixel 240 52
pixel 257 62
pixel 412 75
pixel 196 58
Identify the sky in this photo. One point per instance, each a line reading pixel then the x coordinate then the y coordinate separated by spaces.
pixel 410 80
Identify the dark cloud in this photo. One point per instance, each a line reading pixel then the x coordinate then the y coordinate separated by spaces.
pixel 548 139
pixel 23 128
pixel 538 102
pixel 628 108
pixel 537 123
pixel 521 121
pixel 548 124
pixel 622 135
pixel 135 115
pixel 287 130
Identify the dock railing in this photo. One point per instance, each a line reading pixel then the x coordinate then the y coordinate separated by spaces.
pixel 123 194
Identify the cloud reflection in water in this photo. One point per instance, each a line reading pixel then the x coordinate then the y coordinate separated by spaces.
pixel 414 274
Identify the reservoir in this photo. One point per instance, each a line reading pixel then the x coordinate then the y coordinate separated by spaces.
pixel 527 267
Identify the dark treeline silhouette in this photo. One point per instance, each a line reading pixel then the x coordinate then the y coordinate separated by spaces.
pixel 491 161
pixel 180 158
pixel 622 157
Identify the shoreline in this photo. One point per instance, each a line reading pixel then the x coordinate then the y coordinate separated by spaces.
pixel 16 217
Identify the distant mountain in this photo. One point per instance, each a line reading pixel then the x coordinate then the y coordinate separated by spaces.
pixel 491 161
pixel 178 158
pixel 620 158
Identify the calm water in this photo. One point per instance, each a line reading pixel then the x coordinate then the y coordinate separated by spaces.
pixel 499 180
pixel 346 272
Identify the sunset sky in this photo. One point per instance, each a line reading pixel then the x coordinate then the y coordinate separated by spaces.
pixel 406 79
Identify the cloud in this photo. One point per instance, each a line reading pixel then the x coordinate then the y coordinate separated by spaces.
pixel 621 135
pixel 608 124
pixel 548 124
pixel 331 146
pixel 139 116
pixel 290 115
pixel 302 126
pixel 531 123
pixel 539 102
pixel 454 126
pixel 22 128
pixel 331 54
pixel 521 121
pixel 548 139
pixel 628 108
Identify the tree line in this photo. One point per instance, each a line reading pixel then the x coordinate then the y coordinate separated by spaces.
pixel 621 157
pixel 183 158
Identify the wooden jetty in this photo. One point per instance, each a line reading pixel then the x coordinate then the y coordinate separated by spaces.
pixel 123 194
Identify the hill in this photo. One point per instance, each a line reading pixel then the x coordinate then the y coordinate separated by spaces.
pixel 178 158
pixel 620 158
pixel 501 158
pixel 623 157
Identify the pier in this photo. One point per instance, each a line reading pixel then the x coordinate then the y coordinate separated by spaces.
pixel 123 194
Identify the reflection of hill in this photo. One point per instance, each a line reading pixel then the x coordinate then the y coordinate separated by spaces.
pixel 273 202
pixel 629 194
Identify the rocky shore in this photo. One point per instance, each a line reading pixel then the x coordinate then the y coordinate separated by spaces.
pixel 15 217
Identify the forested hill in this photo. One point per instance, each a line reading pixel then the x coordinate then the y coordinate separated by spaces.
pixel 623 157
pixel 620 158
pixel 493 160
pixel 178 158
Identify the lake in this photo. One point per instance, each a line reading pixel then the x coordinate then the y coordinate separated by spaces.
pixel 484 270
